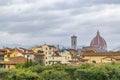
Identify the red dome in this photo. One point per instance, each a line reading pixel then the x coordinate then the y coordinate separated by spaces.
pixel 98 41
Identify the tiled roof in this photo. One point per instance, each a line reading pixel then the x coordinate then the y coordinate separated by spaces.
pixel 101 54
pixel 23 48
pixel 37 54
pixel 71 50
pixel 2 50
pixel 15 60
pixel 89 51
pixel 30 52
pixel 51 46
pixel 8 48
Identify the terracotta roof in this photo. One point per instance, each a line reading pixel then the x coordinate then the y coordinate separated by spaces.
pixel 71 50
pixel 89 51
pixel 18 59
pixel 2 50
pixel 23 48
pixel 101 54
pixel 30 52
pixel 15 60
pixel 20 51
pixel 8 48
pixel 51 46
pixel 37 54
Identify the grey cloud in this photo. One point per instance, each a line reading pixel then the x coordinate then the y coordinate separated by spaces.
pixel 55 23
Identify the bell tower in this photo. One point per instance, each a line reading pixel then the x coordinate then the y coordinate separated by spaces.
pixel 74 42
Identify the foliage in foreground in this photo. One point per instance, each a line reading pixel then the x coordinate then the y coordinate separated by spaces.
pixel 62 72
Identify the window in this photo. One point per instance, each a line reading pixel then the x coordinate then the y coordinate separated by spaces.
pixel 28 55
pixel 68 57
pixel 8 56
pixel 40 51
pixel 93 61
pixel 1 57
pixel 8 66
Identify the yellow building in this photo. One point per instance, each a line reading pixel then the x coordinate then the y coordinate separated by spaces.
pixel 9 53
pixel 9 58
pixel 12 62
pixel 100 57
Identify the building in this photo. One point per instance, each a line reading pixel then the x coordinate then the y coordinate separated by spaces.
pixel 100 57
pixel 97 44
pixel 11 63
pixel 2 57
pixel 10 57
pixel 47 50
pixel 74 42
pixel 52 55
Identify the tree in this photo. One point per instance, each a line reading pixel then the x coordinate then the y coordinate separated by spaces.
pixel 3 74
pixel 54 75
pixel 92 73
pixel 37 68
pixel 22 74
pixel 39 61
pixel 26 64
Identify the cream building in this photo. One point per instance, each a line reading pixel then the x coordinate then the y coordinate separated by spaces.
pixel 52 54
pixel 100 57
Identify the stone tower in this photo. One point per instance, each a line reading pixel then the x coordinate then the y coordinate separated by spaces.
pixel 74 42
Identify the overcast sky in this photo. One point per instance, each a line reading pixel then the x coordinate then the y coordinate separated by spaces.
pixel 36 22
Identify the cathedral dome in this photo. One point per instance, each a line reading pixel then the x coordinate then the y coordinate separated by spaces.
pixel 99 42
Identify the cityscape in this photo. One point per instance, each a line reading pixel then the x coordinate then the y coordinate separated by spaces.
pixel 96 52
pixel 59 40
